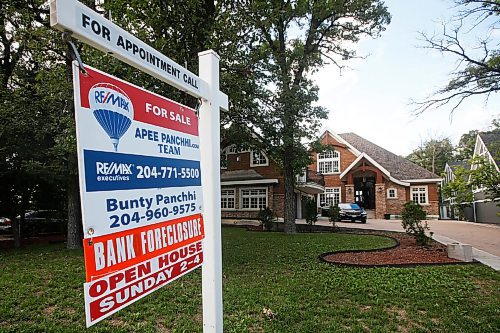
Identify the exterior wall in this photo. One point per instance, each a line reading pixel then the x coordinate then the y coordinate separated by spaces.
pixel 275 192
pixel 348 194
pixel 274 201
pixel 380 201
pixel 395 206
pixel 272 171
pixel 482 211
pixel 432 208
pixel 279 205
pixel 346 158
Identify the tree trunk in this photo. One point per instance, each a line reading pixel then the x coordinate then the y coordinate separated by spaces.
pixel 75 228
pixel 16 232
pixel 289 213
pixel 433 158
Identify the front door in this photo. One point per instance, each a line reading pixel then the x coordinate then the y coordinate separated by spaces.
pixel 364 190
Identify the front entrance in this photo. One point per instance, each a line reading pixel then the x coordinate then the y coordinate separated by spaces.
pixel 364 192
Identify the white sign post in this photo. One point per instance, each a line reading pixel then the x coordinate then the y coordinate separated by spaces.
pixel 93 29
pixel 209 131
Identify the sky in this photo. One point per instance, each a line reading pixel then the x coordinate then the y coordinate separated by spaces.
pixel 373 98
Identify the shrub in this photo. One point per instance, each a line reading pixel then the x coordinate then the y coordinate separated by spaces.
pixel 311 212
pixel 334 213
pixel 266 218
pixel 412 217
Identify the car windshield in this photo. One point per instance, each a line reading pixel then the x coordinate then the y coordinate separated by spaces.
pixel 349 206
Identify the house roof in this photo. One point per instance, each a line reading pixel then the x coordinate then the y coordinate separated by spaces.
pixel 240 175
pixel 399 167
pixel 455 164
pixel 492 142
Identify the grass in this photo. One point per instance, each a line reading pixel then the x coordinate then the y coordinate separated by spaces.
pixel 41 291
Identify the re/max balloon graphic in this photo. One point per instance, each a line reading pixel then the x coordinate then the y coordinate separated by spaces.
pixel 113 110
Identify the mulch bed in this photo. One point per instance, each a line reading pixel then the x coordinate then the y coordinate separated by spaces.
pixel 405 253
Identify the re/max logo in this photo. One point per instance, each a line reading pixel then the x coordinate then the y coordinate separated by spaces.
pixel 113 168
pixel 102 97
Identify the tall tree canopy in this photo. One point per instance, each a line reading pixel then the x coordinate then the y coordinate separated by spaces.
pixel 478 64
pixel 268 49
pixel 433 154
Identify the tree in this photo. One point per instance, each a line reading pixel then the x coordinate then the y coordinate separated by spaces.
pixel 411 220
pixel 288 41
pixel 465 148
pixel 484 175
pixel 459 189
pixel 38 145
pixel 433 154
pixel 478 66
pixel 28 124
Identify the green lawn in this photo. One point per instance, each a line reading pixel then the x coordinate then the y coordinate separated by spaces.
pixel 41 291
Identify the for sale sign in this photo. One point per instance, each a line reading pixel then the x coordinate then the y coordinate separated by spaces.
pixel 140 183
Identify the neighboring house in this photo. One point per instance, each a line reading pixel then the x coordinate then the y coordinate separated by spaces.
pixel 483 209
pixel 356 170
pixel 447 209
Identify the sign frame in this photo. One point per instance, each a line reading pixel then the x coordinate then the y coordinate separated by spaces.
pixel 209 133
pixel 95 30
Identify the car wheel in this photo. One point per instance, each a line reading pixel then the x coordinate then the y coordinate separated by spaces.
pixel 363 220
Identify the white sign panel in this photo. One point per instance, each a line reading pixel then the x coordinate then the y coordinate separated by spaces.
pixel 140 184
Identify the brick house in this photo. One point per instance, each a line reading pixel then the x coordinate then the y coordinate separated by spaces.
pixel 358 170
pixel 355 171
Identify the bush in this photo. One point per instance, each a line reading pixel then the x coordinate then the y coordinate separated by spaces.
pixel 412 217
pixel 334 214
pixel 266 218
pixel 311 212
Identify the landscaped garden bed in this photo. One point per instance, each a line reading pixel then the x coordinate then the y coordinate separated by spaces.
pixel 405 252
pixel 271 283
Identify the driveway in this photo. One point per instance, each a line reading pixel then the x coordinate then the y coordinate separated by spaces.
pixel 485 237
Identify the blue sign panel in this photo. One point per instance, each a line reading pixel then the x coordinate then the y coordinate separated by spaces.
pixel 108 171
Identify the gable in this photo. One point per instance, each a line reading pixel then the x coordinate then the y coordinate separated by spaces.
pixel 488 146
pixel 398 167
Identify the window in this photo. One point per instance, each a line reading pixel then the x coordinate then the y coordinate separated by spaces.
pixel 392 193
pixel 254 198
pixel 329 162
pixel 330 197
pixel 419 194
pixel 227 198
pixel 258 159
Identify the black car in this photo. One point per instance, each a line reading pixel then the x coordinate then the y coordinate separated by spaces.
pixel 352 211
pixel 43 222
pixel 348 211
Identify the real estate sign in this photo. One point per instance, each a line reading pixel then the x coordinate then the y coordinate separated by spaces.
pixel 140 183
